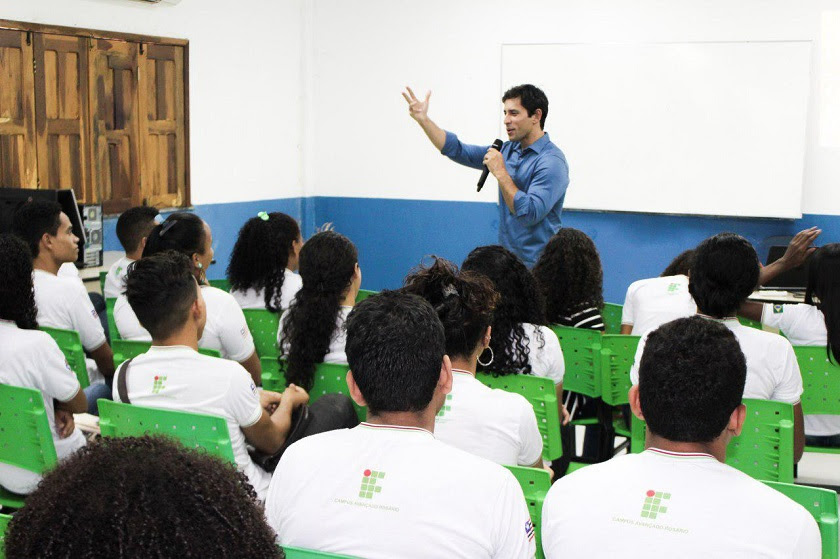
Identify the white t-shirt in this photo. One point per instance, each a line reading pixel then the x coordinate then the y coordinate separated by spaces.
pixel 494 424
pixel 64 303
pixel 652 302
pixel 337 342
pixel 179 378
pixel 667 504
pixel 772 370
pixel 546 361
pixel 115 278
pixel 31 359
pixel 225 331
pixel 253 299
pixel 380 492
pixel 803 325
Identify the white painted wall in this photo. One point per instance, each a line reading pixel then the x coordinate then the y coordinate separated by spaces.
pixel 363 143
pixel 245 83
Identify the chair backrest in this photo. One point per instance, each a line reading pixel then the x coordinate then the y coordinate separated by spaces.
pixel 71 346
pixel 535 483
pixel 27 442
pixel 616 359
pixel 581 347
pixel 822 504
pixel 329 378
pixel 126 349
pixel 102 276
pixel 193 430
pixel 542 396
pixel 750 322
pixel 272 377
pixel 300 553
pixel 764 450
pixel 4 524
pixel 263 325
pixel 222 284
pixel 113 333
pixel 364 294
pixel 611 313
pixel 820 380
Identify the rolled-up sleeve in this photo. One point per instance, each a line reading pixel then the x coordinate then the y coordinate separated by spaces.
pixel 465 154
pixel 548 185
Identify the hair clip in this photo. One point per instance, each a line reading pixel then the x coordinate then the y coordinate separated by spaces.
pixel 449 291
pixel 167 225
pixel 263 216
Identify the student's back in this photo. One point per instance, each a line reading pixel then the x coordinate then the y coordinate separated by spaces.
pixel 650 303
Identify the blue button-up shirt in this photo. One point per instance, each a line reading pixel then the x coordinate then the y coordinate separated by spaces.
pixel 541 174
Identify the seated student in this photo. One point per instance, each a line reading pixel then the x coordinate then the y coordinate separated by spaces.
pixel 226 329
pixel 63 302
pixel 312 330
pixel 164 293
pixel 133 226
pixel 724 274
pixel 494 424
pixel 570 279
pixel 388 488
pixel 141 497
pixel 678 498
pixel 652 302
pixel 263 262
pixel 31 359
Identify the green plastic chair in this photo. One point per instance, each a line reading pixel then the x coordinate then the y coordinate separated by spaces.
pixel 765 448
pixel 272 377
pixel 222 284
pixel 535 483
pixel 541 394
pixel 27 442
pixel 300 553
pixel 102 276
pixel 127 349
pixel 113 333
pixel 822 504
pixel 4 524
pixel 581 347
pixel 329 378
pixel 193 430
pixel 616 358
pixel 71 346
pixel 821 383
pixel 263 325
pixel 750 322
pixel 611 313
pixel 364 294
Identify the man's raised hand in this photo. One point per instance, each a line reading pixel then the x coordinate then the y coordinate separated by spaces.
pixel 417 109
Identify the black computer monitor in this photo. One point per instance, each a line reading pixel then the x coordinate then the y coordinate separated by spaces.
pixel 12 198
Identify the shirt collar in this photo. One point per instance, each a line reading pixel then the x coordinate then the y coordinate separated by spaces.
pixel 462 372
pixel 537 146
pixel 672 454
pixel 395 428
pixel 10 323
pixel 725 320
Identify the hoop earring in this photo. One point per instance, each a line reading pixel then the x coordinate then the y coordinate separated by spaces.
pixel 488 348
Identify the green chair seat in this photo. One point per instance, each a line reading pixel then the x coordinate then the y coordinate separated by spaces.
pixel 263 325
pixel 535 484
pixel 822 504
pixel 821 384
pixel 71 346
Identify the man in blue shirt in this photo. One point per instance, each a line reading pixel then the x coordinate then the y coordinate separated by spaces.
pixel 532 172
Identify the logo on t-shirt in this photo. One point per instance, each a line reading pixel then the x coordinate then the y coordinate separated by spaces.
pixel 446 407
pixel 529 530
pixel 655 503
pixel 778 309
pixel 370 478
pixel 159 384
pixel 673 288
pixel 93 314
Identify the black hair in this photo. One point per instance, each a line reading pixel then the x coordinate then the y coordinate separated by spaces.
pixel 134 224
pixel 531 98
pixel 724 273
pixel 141 497
pixel 569 274
pixel 34 218
pixel 823 291
pixel 519 301
pixel 681 265
pixel 327 264
pixel 464 302
pixel 161 289
pixel 261 254
pixel 691 378
pixel 395 348
pixel 181 231
pixel 17 293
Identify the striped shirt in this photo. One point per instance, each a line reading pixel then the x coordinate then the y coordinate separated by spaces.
pixel 587 318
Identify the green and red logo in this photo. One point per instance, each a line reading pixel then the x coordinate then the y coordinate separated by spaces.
pixel 655 502
pixel 158 384
pixel 370 478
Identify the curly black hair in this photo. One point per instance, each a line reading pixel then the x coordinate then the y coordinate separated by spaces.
pixel 261 254
pixel 681 265
pixel 569 274
pixel 327 264
pixel 141 497
pixel 17 293
pixel 823 291
pixel 520 301
pixel 463 301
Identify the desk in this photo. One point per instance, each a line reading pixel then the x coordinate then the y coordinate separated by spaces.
pixel 768 296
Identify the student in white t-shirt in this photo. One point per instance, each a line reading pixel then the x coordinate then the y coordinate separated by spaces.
pixel 312 330
pixel 133 226
pixel 494 424
pixel 678 498
pixel 388 488
pixel 226 329
pixel 63 302
pixel 31 359
pixel 263 262
pixel 725 272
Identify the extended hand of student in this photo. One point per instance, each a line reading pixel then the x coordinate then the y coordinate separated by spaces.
pixel 800 247
pixel 417 109
pixel 64 423
pixel 295 396
pixel 566 417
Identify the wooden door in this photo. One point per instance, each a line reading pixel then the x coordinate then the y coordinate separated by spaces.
pixel 114 112
pixel 162 125
pixel 18 151
pixel 61 113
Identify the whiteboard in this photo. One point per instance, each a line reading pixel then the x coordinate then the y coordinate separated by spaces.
pixel 683 128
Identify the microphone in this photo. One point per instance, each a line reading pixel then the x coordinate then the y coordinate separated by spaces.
pixel 497 145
